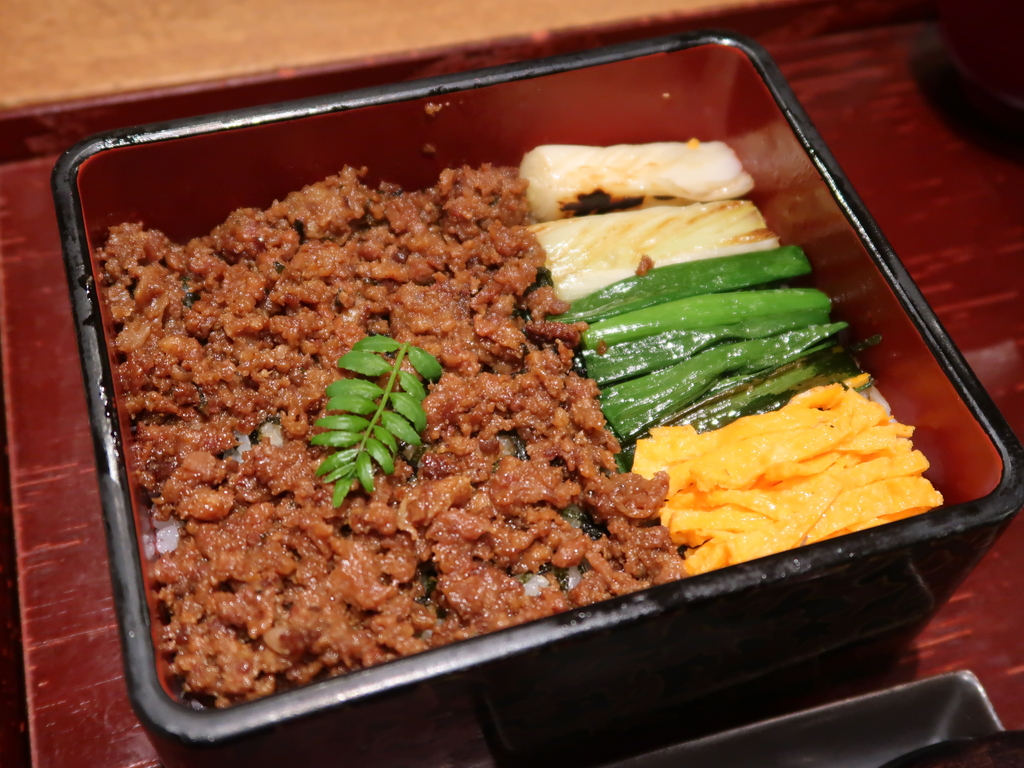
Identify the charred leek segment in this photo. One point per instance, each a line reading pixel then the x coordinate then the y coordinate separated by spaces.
pixel 680 281
pixel 708 311
pixel 635 406
pixel 629 360
pixel 569 180
pixel 371 420
pixel 590 253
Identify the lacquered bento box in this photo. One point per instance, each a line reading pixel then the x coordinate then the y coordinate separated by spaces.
pixel 573 673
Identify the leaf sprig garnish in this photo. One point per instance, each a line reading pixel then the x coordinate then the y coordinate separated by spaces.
pixel 397 416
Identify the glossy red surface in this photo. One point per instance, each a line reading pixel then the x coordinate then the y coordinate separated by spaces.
pixel 948 195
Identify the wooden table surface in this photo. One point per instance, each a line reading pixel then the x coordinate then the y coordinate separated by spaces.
pixel 946 189
pixel 53 50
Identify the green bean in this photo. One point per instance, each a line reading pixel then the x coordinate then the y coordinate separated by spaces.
pixel 631 359
pixel 706 311
pixel 679 281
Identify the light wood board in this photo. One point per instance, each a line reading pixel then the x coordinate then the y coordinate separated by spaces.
pixel 52 50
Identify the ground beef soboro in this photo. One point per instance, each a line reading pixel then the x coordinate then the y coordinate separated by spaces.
pixel 271 586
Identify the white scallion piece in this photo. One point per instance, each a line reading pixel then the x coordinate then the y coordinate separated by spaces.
pixel 568 180
pixel 535 585
pixel 588 253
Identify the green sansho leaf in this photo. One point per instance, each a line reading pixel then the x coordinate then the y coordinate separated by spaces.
pixel 412 385
pixel 425 363
pixel 373 419
pixel 400 428
pixel 343 472
pixel 341 491
pixel 354 388
pixel 385 437
pixel 376 344
pixel 347 423
pixel 365 363
pixel 336 439
pixel 410 407
pixel 352 404
pixel 335 460
pixel 364 469
pixel 381 455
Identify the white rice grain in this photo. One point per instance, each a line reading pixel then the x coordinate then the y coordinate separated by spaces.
pixel 271 433
pixel 149 546
pixel 168 534
pixel 573 577
pixel 535 584
pixel 242 444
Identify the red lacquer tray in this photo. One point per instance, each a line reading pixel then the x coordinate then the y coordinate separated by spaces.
pixel 946 190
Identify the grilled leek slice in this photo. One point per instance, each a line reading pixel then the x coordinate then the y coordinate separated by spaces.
pixel 568 180
pixel 586 254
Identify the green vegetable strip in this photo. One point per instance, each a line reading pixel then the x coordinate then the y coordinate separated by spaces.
pixel 634 406
pixel 626 361
pixel 680 281
pixel 759 393
pixel 707 311
pixel 727 383
pixel 763 393
pixel 624 458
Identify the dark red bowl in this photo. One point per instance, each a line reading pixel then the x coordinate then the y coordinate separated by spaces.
pixel 577 671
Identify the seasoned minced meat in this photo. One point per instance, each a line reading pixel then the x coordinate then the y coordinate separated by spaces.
pixel 270 585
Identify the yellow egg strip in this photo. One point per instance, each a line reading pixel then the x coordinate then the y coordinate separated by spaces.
pixel 829 462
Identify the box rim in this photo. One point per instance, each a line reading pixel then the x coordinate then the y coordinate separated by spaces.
pixel 173 720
